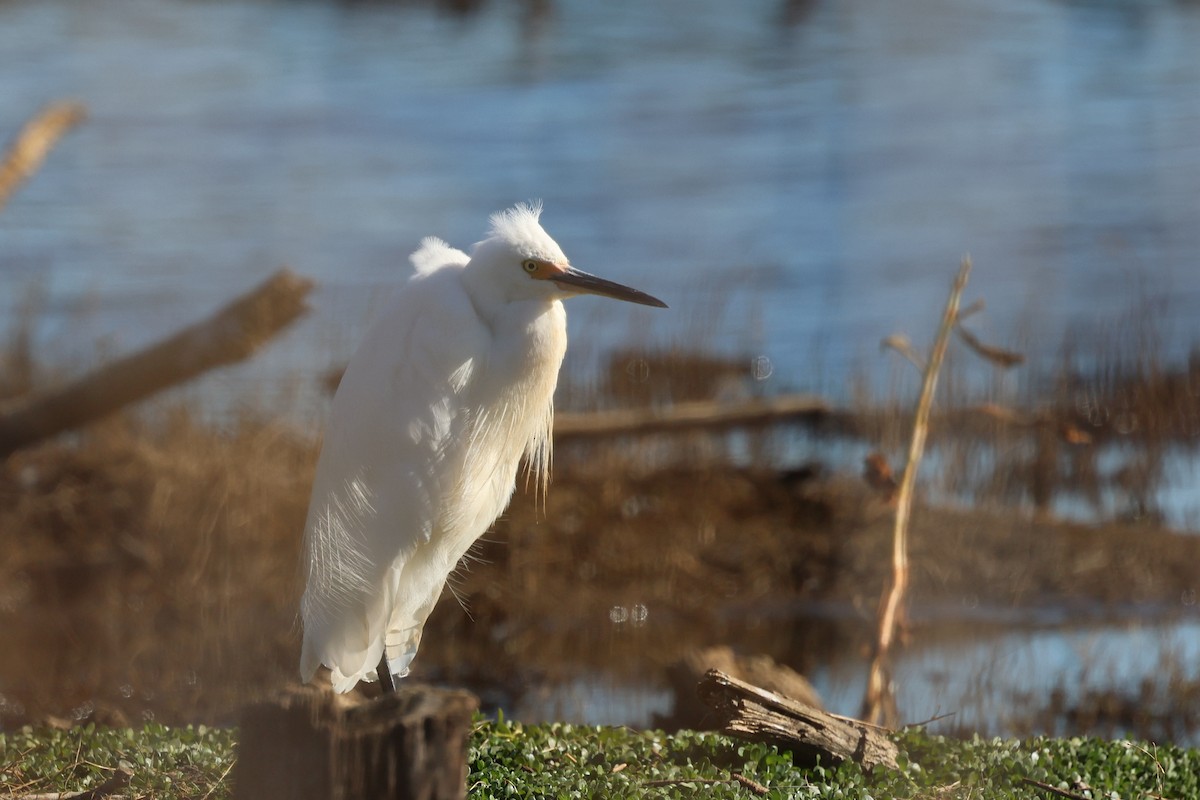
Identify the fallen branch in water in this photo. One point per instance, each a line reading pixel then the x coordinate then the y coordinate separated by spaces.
pixel 230 335
pixel 35 140
pixel 801 409
pixel 693 415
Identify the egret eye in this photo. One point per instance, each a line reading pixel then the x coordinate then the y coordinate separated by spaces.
pixel 530 266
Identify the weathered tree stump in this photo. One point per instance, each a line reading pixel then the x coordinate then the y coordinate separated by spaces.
pixel 310 744
pixel 753 713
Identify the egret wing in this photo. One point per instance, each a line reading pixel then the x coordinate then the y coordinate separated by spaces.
pixel 379 486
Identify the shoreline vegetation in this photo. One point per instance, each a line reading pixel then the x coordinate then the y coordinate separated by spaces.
pixel 149 567
pixel 149 578
pixel 508 759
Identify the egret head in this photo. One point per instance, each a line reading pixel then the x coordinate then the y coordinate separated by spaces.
pixel 525 263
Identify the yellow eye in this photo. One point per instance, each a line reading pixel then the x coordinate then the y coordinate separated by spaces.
pixel 530 266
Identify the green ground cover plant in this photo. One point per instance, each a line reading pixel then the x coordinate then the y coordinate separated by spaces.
pixel 512 760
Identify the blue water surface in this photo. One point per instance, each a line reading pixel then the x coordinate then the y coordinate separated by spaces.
pixel 798 180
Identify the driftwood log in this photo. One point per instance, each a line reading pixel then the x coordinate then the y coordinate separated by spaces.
pixel 753 713
pixel 310 744
pixel 232 334
pixel 689 711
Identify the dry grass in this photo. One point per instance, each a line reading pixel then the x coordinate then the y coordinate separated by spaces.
pixel 151 564
pixel 148 566
pixel 151 567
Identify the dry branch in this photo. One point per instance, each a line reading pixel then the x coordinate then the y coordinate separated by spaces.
pixel 900 343
pixel 879 700
pixel 230 335
pixel 35 140
pixel 998 356
pixel 747 711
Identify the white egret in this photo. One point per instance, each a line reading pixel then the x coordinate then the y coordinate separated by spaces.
pixel 450 388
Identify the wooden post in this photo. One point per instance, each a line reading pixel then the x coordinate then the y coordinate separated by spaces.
pixel 310 744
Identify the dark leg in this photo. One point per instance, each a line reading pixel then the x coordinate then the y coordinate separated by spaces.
pixel 385 676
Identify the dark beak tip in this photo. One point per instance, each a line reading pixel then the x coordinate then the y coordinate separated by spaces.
pixel 643 299
pixel 591 284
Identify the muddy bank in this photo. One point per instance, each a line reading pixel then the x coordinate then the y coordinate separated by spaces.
pixel 150 570
pixel 629 571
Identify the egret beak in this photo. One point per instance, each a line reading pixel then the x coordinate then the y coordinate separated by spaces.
pixel 573 280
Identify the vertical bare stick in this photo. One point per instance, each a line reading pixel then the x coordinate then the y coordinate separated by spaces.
pixel 879 703
pixel 27 151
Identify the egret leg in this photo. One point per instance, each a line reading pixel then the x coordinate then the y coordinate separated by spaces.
pixel 386 683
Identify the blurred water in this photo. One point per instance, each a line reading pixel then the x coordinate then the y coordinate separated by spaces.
pixel 991 680
pixel 991 683
pixel 797 179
